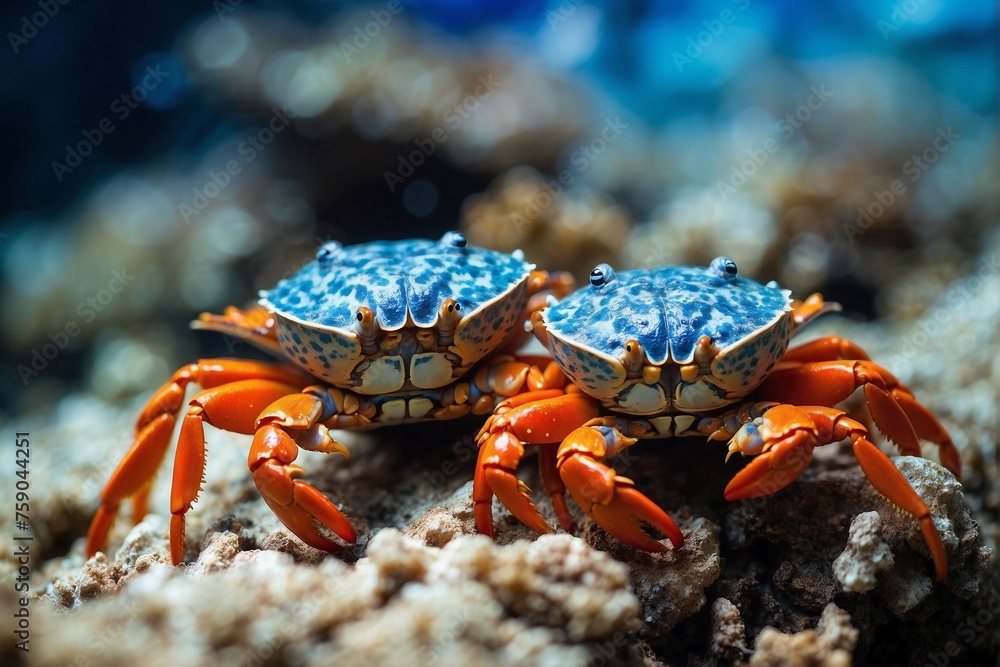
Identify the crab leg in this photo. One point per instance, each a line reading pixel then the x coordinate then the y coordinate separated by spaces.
pixel 890 403
pixel 134 475
pixel 784 439
pixel 828 348
pixel 255 325
pixel 291 422
pixel 232 407
pixel 540 417
pixel 610 499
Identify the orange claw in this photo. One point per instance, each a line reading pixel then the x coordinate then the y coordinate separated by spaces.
pixel 234 389
pixel 499 457
pixel 610 500
pixel 892 406
pixel 296 503
pixel 786 435
pixel 541 417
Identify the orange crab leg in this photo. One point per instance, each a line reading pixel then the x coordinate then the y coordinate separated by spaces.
pixel 298 504
pixel 231 407
pixel 812 307
pixel 830 382
pixel 548 473
pixel 542 417
pixel 786 435
pixel 255 325
pixel 828 348
pixel 134 474
pixel 608 498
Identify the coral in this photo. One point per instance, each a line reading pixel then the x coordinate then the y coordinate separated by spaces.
pixel 728 632
pixel 470 601
pixel 865 556
pixel 556 227
pixel 829 645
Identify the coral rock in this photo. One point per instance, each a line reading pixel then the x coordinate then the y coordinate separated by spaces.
pixel 865 556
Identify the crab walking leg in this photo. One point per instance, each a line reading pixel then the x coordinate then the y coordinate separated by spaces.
pixel 232 407
pixel 891 404
pixel 812 307
pixel 134 475
pixel 610 499
pixel 548 473
pixel 291 422
pixel 256 325
pixel 783 440
pixel 542 417
pixel 833 348
pixel 828 348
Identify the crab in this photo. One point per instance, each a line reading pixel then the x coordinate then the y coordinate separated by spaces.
pixel 367 335
pixel 693 351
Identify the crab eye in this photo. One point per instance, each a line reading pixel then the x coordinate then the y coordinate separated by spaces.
pixel 723 267
pixel 327 253
pixel 454 239
pixel 602 275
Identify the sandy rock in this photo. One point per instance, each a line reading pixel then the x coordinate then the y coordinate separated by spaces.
pixel 865 556
pixel 672 584
pixel 829 645
pixel 728 631
pixel 472 601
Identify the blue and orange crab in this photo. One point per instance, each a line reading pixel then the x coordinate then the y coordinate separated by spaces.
pixel 369 335
pixel 693 351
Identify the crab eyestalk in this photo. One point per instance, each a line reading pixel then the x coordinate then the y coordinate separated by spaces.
pixel 368 330
pixel 537 326
pixel 636 364
pixel 449 315
pixel 705 353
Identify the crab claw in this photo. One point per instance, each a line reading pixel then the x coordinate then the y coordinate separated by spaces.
pixel 609 499
pixel 783 441
pixel 499 456
pixel 298 504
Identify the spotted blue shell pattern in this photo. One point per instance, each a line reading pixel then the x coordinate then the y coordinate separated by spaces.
pixel 317 307
pixel 394 279
pixel 666 310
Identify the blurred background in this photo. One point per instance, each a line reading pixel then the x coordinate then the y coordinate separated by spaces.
pixel 162 159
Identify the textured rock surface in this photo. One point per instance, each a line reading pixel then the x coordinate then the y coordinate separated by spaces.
pixel 829 645
pixel 866 555
pixel 544 602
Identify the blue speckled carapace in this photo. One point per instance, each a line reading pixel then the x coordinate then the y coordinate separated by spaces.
pixel 389 315
pixel 707 337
